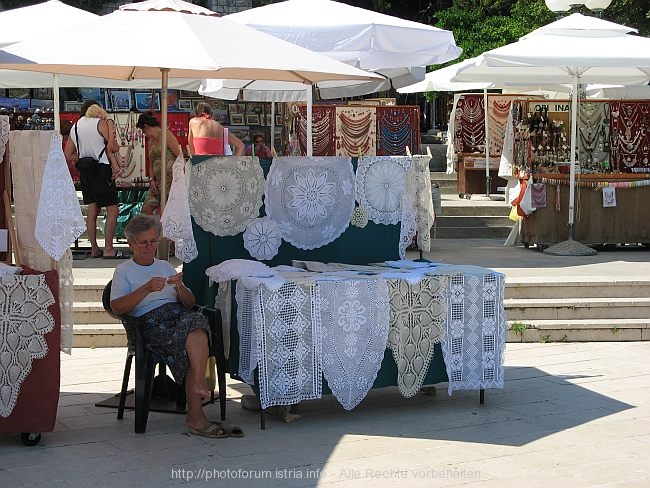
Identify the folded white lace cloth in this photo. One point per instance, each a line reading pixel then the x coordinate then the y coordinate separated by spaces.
pixel 354 315
pixel 176 220
pixel 262 238
pixel 4 135
pixel 417 318
pixel 225 193
pixel 311 198
pixel 24 321
pixel 59 220
pixel 380 185
pixel 232 269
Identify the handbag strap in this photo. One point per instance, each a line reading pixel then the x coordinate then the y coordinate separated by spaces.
pixel 76 135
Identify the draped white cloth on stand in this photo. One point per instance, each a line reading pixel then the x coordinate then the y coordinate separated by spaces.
pixel 59 221
pixel 176 220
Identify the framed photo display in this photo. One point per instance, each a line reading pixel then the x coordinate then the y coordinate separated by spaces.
pixel 185 105
pixel 143 101
pixel 252 119
pixel 119 100
pixel 236 119
pixel 70 106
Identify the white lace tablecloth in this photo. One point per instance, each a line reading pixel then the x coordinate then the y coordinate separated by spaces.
pixel 296 328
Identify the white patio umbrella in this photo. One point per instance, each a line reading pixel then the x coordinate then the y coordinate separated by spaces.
pixel 362 38
pixel 576 49
pixel 195 45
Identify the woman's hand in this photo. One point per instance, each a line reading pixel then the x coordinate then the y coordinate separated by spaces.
pixel 157 284
pixel 175 280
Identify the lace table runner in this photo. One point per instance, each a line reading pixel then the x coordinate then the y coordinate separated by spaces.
pixel 289 343
pixel 354 331
pixel 24 321
pixel 419 187
pixel 417 318
pixel 225 193
pixel 311 198
pixel 476 326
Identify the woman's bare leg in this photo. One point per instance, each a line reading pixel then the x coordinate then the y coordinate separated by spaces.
pixel 196 387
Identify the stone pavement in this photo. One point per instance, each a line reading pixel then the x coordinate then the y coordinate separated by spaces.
pixel 570 415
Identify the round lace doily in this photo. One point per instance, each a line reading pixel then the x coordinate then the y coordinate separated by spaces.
pixel 262 238
pixel 360 217
pixel 225 193
pixel 380 184
pixel 312 199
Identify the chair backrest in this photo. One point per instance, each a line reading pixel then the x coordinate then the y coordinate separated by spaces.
pixel 106 301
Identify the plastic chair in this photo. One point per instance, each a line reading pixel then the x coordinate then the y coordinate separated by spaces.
pixel 145 361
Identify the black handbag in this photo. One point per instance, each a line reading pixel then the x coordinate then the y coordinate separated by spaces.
pixel 86 164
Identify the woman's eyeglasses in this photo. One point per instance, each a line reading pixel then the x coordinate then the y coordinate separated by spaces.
pixel 152 242
pixel 258 141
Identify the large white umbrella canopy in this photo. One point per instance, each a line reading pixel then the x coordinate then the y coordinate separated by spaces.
pixel 576 49
pixel 194 45
pixel 396 48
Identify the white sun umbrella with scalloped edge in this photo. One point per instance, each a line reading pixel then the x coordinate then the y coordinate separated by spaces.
pixel 576 49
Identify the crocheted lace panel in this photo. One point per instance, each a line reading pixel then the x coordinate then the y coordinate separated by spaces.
pixel 354 314
pixel 418 186
pixel 24 321
pixel 312 199
pixel 262 238
pixel 176 220
pixel 380 184
pixel 225 193
pixel 59 220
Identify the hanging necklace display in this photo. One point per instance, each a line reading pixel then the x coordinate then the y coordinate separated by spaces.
pixel 323 130
pixel 629 134
pixel 498 110
pixel 591 135
pixel 397 129
pixel 356 131
pixel 470 123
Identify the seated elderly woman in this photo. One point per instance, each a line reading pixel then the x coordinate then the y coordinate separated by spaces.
pixel 151 289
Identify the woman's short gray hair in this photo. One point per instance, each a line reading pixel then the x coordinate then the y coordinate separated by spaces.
pixel 141 223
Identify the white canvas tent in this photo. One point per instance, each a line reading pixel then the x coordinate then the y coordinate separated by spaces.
pixel 576 49
pixel 193 48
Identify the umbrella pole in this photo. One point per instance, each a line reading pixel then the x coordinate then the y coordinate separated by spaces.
pixel 163 247
pixel 57 102
pixel 272 136
pixel 487 145
pixel 572 171
pixel 310 142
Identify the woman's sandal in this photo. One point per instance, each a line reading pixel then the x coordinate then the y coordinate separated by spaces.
pixel 213 431
pixel 231 430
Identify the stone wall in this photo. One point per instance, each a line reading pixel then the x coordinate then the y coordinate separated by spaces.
pixel 222 7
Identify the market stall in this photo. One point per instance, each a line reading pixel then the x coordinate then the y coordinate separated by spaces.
pixel 612 176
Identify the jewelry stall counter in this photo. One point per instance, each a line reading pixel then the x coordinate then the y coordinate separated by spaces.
pixel 609 209
pixel 471 174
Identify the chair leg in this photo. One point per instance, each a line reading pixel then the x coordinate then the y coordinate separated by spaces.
pixel 125 386
pixel 143 385
pixel 221 381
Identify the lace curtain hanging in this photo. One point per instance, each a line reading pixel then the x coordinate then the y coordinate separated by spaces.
pixel 176 220
pixel 311 199
pixel 24 321
pixel 354 316
pixel 225 193
pixel 59 220
pixel 418 186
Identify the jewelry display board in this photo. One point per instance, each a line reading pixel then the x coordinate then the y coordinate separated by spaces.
pixel 346 130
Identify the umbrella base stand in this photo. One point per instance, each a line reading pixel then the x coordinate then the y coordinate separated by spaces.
pixel 569 248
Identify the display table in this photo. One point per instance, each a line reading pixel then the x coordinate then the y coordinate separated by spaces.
pixel 291 327
pixel 594 224
pixel 471 175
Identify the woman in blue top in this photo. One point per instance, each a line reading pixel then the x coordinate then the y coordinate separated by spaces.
pixel 151 289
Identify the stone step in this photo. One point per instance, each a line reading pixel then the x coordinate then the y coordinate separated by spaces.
pixel 496 210
pixel 446 220
pixel 99 335
pixel 579 330
pixel 576 308
pixel 91 313
pixel 577 289
pixel 471 232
